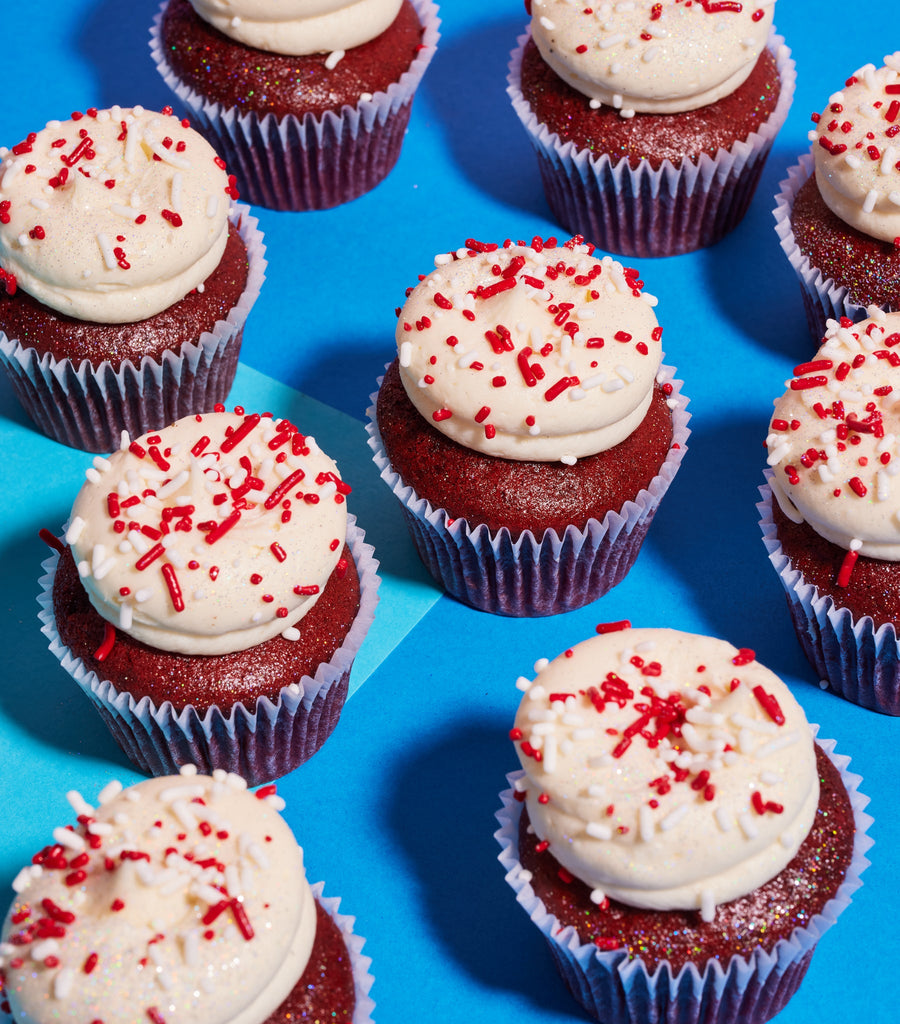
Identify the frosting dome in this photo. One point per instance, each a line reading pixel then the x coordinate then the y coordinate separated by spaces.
pixel 530 352
pixel 833 437
pixel 857 150
pixel 660 57
pixel 299 27
pixel 182 898
pixel 666 770
pixel 113 216
pixel 212 535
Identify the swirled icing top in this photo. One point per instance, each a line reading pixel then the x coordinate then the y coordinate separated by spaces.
pixel 530 351
pixel 212 535
pixel 113 216
pixel 652 56
pixel 181 898
pixel 857 150
pixel 665 770
pixel 299 27
pixel 833 438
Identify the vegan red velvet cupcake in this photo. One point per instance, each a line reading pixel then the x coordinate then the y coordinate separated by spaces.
pixel 211 594
pixel 677 834
pixel 838 212
pixel 197 876
pixel 528 427
pixel 651 121
pixel 832 529
pixel 126 275
pixel 308 102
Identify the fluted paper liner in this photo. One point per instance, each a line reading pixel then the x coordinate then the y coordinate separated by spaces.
pixel 645 212
pixel 89 406
pixel 823 300
pixel 745 990
pixel 308 163
pixel 362 978
pixel 260 743
pixel 533 576
pixel 859 660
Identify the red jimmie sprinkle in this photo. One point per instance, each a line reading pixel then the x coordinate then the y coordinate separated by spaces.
pixel 769 704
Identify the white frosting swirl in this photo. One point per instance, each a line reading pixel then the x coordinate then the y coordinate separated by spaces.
pixel 529 352
pixel 212 535
pixel 675 771
pixel 299 27
pixel 856 148
pixel 652 56
pixel 183 896
pixel 833 439
pixel 114 216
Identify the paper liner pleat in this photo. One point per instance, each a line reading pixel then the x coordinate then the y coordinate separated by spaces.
pixel 745 990
pixel 260 743
pixel 859 660
pixel 308 162
pixel 532 576
pixel 823 300
pixel 646 212
pixel 89 406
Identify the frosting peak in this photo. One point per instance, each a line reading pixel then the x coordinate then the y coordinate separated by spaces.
pixel 666 770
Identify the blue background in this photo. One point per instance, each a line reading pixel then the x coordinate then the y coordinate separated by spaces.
pixel 396 811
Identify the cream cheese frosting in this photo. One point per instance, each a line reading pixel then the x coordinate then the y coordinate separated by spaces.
pixel 299 27
pixel 212 535
pixel 534 351
pixel 182 898
pixel 114 215
pixel 652 56
pixel 856 149
pixel 665 770
pixel 833 438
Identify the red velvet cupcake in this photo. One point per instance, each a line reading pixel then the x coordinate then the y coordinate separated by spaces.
pixel 838 212
pixel 308 103
pixel 676 833
pixel 638 152
pixel 211 595
pixel 126 275
pixel 528 427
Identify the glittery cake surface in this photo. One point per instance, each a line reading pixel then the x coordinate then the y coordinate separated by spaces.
pixel 649 137
pixel 244 78
pixel 761 918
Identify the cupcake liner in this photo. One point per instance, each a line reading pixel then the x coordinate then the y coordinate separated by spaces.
pixel 261 743
pixel 308 163
pixel 362 979
pixel 646 212
pixel 748 990
pixel 88 406
pixel 532 576
pixel 823 300
pixel 857 659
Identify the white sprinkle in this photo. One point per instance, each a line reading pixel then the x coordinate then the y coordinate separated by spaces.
pixel 333 59
pixel 109 792
pixel 748 825
pixel 63 983
pixel 596 830
pixel 66 837
pixel 707 905
pixel 674 817
pixel 75 530
pixel 723 819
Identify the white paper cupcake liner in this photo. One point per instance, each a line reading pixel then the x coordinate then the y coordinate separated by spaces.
pixel 823 300
pixel 362 978
pixel 646 212
pixel 260 743
pixel 309 163
pixel 748 990
pixel 532 576
pixel 857 659
pixel 89 406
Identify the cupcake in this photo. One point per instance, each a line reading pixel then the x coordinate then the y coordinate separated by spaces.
pixel 676 832
pixel 126 275
pixel 651 121
pixel 832 531
pixel 308 102
pixel 210 594
pixel 198 878
pixel 838 212
pixel 528 427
